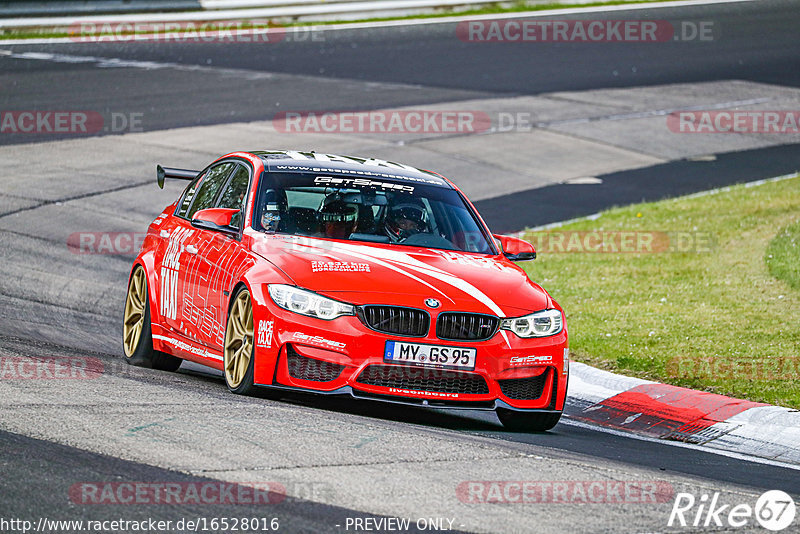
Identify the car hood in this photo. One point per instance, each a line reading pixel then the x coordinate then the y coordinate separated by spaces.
pixel 362 273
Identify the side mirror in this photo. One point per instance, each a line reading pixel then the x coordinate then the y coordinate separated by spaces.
pixel 216 220
pixel 516 249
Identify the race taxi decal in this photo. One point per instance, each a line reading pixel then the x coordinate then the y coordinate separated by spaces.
pixel 264 334
pixel 318 340
pixel 531 360
pixel 339 266
pixel 169 272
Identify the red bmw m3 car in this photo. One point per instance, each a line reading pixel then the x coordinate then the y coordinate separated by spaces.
pixel 345 276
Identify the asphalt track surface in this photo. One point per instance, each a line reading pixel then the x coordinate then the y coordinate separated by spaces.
pixel 406 65
pixel 46 447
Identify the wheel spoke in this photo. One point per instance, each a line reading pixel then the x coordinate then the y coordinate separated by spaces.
pixel 238 329
pixel 240 308
pixel 242 363
pixel 128 337
pixel 136 301
pixel 133 317
pixel 238 340
pixel 135 304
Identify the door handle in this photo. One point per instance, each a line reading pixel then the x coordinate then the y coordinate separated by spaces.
pixel 164 234
pixel 191 249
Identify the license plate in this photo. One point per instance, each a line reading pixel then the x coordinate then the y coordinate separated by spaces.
pixel 430 355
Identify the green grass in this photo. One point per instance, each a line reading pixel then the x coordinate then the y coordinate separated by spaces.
pixel 724 319
pixel 519 6
pixel 783 256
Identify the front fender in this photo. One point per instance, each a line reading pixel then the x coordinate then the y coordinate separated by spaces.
pixel 265 349
pixel 146 259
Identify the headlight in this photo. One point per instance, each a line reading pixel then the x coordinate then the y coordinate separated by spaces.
pixel 540 324
pixel 308 303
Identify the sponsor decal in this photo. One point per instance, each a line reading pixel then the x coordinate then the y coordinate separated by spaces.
pixel 565 492
pixel 318 340
pixel 169 272
pixel 531 360
pixel 361 182
pixel 186 347
pixel 735 121
pixel 474 261
pixel 382 167
pixel 264 335
pixel 177 493
pixel 339 266
pixel 774 510
pixel 424 393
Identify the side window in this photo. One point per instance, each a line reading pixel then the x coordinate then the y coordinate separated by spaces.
pixel 209 188
pixel 233 196
pixel 188 196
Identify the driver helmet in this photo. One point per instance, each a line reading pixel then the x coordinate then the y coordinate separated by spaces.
pixel 339 218
pixel 274 204
pixel 406 219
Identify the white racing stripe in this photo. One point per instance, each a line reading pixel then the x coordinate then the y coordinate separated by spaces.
pixel 402 259
pixel 315 250
pixel 405 260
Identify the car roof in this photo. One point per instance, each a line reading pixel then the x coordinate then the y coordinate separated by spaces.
pixel 303 162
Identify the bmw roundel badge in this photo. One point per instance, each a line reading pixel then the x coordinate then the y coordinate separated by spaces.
pixel 432 303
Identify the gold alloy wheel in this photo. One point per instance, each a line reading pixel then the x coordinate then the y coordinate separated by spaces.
pixel 238 340
pixel 135 306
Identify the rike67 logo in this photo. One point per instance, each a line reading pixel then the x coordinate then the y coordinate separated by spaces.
pixel 774 510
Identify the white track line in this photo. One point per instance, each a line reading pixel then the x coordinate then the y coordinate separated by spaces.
pixel 719 452
pixel 595 216
pixel 441 20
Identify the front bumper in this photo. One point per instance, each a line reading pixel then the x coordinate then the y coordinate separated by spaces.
pixel 344 357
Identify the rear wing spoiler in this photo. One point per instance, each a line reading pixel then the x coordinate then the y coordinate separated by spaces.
pixel 178 174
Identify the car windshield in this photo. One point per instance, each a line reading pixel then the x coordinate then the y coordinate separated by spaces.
pixel 374 210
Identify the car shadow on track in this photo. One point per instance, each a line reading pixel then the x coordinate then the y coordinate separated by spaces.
pixel 462 420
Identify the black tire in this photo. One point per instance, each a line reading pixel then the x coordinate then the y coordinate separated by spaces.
pixel 144 355
pixel 245 386
pixel 528 421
